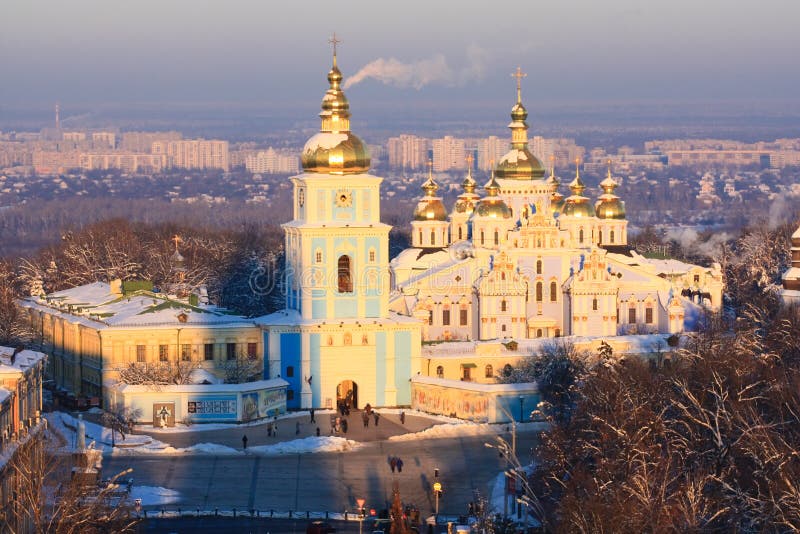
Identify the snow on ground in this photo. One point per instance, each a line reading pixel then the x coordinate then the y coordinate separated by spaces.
pixel 152 495
pixel 65 424
pixel 449 430
pixel 202 427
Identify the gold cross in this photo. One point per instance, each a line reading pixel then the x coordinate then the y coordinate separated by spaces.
pixel 469 160
pixel 177 239
pixel 519 75
pixel 334 41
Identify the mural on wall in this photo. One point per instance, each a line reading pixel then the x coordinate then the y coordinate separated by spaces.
pixel 210 408
pixel 163 414
pixel 447 401
pixel 271 402
pixel 250 409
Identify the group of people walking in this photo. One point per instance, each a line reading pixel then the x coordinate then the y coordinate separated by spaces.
pixel 396 463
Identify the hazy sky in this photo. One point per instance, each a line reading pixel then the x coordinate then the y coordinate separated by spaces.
pixel 88 51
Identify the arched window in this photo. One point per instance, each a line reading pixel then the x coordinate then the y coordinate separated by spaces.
pixel 507 370
pixel 611 238
pixel 345 275
pixel 580 235
pixel 459 234
pixel 538 292
pixel 600 236
pixel 538 332
pixel 553 292
pixel 372 255
pixel 318 256
pixel 503 305
pixel 538 266
pixel 420 237
pixel 489 372
pixel 348 338
pixel 433 237
pixel 440 371
pixel 496 237
pixel 502 276
pixel 482 241
pixel 594 304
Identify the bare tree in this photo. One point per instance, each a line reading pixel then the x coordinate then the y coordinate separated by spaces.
pixel 242 369
pixel 159 374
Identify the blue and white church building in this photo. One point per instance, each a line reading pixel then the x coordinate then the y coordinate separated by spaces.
pixel 337 340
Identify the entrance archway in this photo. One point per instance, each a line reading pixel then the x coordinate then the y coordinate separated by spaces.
pixel 347 394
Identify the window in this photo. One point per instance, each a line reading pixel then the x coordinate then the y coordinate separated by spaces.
pixel 697 279
pixel 496 237
pixel 594 304
pixel 433 237
pixel 538 266
pixel 372 255
pixel 348 338
pixel 430 317
pixel 290 371
pixel 186 353
pixel 553 292
pixel 489 373
pixel 459 234
pixel 289 394
pixel 507 370
pixel 163 353
pixel 503 328
pixel 420 237
pixel 482 241
pixel 580 236
pixel 558 332
pixel 600 236
pixel 230 351
pixel 538 292
pixel 446 317
pixel 345 277
pixel 632 315
pixel 648 315
pixel 463 316
pixel 141 354
pixel 318 256
pixel 503 305
pixel 252 349
pixel 465 374
pixel 538 332
pixel 208 351
pixel 611 237
pixel 439 371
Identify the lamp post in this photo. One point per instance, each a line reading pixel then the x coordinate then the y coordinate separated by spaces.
pixel 521 404
pixel 437 490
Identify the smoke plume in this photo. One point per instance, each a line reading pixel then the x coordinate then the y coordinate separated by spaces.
pixel 418 74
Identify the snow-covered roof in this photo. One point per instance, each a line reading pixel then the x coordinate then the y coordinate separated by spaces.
pixel 272 383
pixel 95 306
pixel 22 361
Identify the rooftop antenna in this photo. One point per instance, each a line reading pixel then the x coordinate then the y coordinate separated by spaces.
pixel 58 119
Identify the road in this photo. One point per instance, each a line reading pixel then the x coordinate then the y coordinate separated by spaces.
pixel 327 481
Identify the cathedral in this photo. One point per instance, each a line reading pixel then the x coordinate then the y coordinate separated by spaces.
pixel 521 261
pixel 524 262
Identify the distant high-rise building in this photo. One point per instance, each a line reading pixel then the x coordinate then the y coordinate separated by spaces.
pixel 194 153
pixel 271 161
pixel 143 141
pixel 407 151
pixel 449 153
pixel 104 140
pixel 490 150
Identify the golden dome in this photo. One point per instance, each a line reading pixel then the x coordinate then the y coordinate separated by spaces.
pixel 556 202
pixel 608 205
pixel 519 163
pixel 335 150
pixel 492 205
pixel 430 210
pixel 577 205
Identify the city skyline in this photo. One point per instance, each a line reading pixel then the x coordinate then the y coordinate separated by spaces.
pixel 92 52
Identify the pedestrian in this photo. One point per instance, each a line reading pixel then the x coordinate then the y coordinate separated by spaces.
pixel 393 463
pixel 377 416
pixel 311 411
pixel 344 426
pixel 365 418
pixel 275 429
pixel 399 465
pixel 244 441
pixel 269 430
pixel 297 428
pixel 402 417
pixel 317 431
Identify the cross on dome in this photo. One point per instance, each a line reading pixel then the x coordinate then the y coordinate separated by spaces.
pixel 519 75
pixel 334 41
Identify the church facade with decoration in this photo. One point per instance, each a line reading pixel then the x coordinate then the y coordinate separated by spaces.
pixel 523 261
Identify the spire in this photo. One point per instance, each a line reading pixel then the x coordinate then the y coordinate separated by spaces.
pixel 430 186
pixel 335 113
pixel 492 188
pixel 552 179
pixel 334 41
pixel 469 182
pixel 608 184
pixel 519 75
pixel 519 129
pixel 577 186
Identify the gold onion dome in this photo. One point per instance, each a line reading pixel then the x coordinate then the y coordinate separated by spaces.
pixel 465 203
pixel 335 150
pixel 430 207
pixel 577 205
pixel 492 205
pixel 608 205
pixel 519 163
